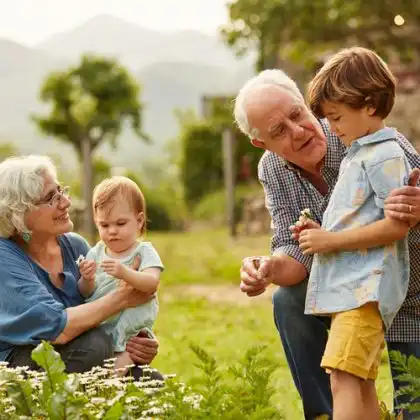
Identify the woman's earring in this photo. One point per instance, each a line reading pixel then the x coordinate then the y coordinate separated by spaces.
pixel 26 236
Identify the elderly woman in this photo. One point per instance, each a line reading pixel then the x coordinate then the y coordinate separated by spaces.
pixel 40 299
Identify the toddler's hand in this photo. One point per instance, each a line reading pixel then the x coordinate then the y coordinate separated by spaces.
pixel 113 268
pixel 88 269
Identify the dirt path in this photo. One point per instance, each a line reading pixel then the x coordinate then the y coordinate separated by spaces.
pixel 215 293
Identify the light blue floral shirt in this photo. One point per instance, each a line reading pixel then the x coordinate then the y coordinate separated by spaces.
pixel 344 280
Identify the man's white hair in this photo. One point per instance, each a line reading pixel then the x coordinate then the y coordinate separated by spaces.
pixel 22 181
pixel 268 78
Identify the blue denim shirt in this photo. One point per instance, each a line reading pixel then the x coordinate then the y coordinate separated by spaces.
pixel 31 307
pixel 344 280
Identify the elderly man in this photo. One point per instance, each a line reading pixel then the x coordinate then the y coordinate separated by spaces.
pixel 299 170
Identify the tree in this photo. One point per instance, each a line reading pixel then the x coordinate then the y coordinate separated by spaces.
pixel 201 160
pixel 302 29
pixel 89 105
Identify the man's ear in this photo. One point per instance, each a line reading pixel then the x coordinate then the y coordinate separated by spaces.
pixel 258 143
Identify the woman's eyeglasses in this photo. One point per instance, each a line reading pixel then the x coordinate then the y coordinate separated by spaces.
pixel 55 198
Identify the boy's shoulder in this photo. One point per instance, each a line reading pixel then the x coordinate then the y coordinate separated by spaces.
pixel 380 151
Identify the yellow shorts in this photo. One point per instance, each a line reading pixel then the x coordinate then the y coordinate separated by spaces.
pixel 355 342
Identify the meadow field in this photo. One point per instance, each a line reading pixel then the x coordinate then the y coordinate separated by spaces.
pixel 200 303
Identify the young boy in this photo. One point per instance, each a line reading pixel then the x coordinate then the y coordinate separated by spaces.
pixel 360 274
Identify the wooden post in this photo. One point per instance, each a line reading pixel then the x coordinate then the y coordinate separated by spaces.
pixel 87 180
pixel 229 175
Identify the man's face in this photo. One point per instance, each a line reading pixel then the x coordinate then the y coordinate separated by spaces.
pixel 286 127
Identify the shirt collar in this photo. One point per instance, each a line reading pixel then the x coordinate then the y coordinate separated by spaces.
pixel 387 133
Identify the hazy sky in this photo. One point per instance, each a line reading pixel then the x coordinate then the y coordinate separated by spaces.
pixel 32 21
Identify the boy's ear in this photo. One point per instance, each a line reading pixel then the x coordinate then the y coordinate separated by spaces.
pixel 258 143
pixel 371 110
pixel 369 106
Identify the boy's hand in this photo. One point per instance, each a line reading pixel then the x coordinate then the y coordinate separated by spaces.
pixel 87 270
pixel 302 224
pixel 316 241
pixel 113 268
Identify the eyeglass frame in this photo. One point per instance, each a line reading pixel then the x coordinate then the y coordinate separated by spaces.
pixel 56 198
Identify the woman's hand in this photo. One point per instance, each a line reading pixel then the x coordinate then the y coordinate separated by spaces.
pixel 142 349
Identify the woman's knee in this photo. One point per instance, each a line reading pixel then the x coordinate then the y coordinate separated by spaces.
pixel 88 350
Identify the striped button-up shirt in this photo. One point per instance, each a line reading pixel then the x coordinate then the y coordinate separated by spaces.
pixel 288 192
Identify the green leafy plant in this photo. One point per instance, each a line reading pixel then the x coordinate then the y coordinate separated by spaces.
pixel 241 391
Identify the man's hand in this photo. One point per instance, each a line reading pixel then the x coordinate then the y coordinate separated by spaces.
pixel 404 203
pixel 142 349
pixel 253 282
pixel 316 241
pixel 87 270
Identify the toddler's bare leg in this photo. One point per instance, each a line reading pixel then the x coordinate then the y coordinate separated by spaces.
pixel 123 360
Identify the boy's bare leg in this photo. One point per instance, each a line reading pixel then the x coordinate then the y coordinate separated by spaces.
pixel 123 360
pixel 347 396
pixel 370 400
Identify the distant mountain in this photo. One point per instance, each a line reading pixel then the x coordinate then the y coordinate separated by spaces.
pixel 138 47
pixel 179 69
pixel 169 86
pixel 18 59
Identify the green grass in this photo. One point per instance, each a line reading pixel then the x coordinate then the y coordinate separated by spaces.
pixel 226 330
pixel 214 317
pixel 204 257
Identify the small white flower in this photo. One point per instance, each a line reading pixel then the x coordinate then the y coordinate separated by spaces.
pixel 80 259
pixel 306 213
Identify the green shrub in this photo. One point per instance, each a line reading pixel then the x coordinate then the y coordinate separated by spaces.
pixel 202 159
pixel 409 369
pixel 212 207
pixel 161 214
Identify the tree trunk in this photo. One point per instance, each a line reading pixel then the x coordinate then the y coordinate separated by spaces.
pixel 87 182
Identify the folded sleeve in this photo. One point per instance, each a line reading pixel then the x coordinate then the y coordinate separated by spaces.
pixel 149 257
pixel 29 313
pixel 283 215
pixel 386 176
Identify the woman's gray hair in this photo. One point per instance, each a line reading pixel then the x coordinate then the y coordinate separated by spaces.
pixel 267 77
pixel 22 181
